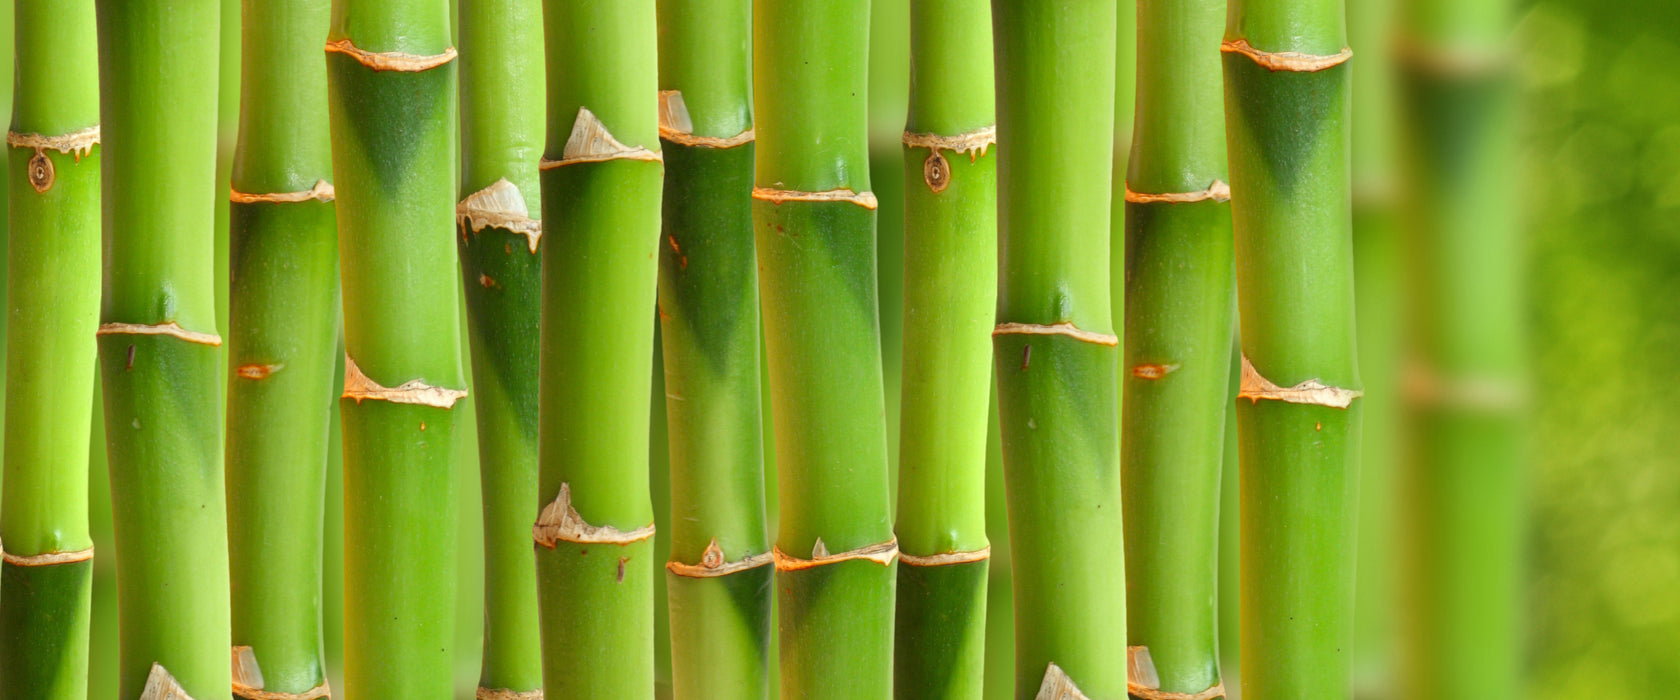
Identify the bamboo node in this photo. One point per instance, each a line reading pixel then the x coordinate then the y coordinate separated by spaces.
pixel 322 191
pixel 501 205
pixel 974 143
pixel 396 61
pixel 712 563
pixel 1219 191
pixel 1058 686
pixel 1064 328
pixel 170 329
pixel 676 126
pixel 590 142
pixel 162 686
pixel 1310 392
pixel 505 694
pixel 841 194
pixel 560 522
pixel 1143 682
pixel 1288 61
pixel 946 558
pixel 248 681
pixel 78 143
pixel 881 553
pixel 359 386
pixel 47 558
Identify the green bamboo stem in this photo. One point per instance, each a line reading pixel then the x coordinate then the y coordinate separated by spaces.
pixel 950 292
pixel 499 220
pixel 1287 116
pixel 46 580
pixel 1054 351
pixel 1463 482
pixel 814 221
pixel 159 354
pixel 1180 313
pixel 595 555
pixel 282 336
pixel 718 578
pixel 391 99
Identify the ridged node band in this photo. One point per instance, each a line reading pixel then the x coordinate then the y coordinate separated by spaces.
pixel 47 558
pixel 79 142
pixel 561 522
pixel 361 387
pixel 881 553
pixel 505 694
pixel 501 205
pixel 395 61
pixel 1065 328
pixel 1288 61
pixel 248 681
pixel 844 194
pixel 712 563
pixel 590 142
pixel 160 685
pixel 974 143
pixel 1142 680
pixel 1256 388
pixel 676 126
pixel 322 191
pixel 171 329
pixel 1218 191
pixel 946 558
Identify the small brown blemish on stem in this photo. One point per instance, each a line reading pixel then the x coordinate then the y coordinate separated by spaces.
pixel 129 365
pixel 1026 356
pixel 258 371
pixel 621 561
pixel 936 172
pixel 486 281
pixel 1153 371
pixel 40 171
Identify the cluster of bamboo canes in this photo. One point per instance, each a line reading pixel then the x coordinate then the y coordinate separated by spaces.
pixel 700 167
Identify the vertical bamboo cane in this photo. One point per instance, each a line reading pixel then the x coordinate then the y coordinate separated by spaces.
pixel 46 578
pixel 391 98
pixel 1054 352
pixel 1286 96
pixel 595 558
pixel 718 576
pixel 499 218
pixel 1180 312
pixel 950 293
pixel 159 354
pixel 813 218
pixel 1463 484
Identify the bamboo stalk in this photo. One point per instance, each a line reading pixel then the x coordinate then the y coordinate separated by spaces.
pixel 1464 389
pixel 1180 313
pixel 1286 96
pixel 46 579
pixel 950 293
pixel 499 221
pixel 283 332
pixel 159 354
pixel 814 218
pixel 595 553
pixel 1054 351
pixel 391 98
pixel 718 578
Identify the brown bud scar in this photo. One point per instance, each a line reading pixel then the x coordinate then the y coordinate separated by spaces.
pixel 1287 61
pixel 130 364
pixel 1058 686
pixel 322 191
pixel 844 194
pixel 1143 683
pixel 258 371
pixel 881 553
pixel 502 206
pixel 77 143
pixel 560 522
pixel 946 558
pixel 396 61
pixel 248 681
pixel 1064 328
pixel 1026 356
pixel 505 694
pixel 590 142
pixel 712 563
pixel 676 126
pixel 936 172
pixel 1218 192
pixel 170 329
pixel 621 561
pixel 1152 371
pixel 46 558
pixel 1310 392
pixel 974 143
pixel 486 281
pixel 162 686
pixel 415 392
pixel 40 171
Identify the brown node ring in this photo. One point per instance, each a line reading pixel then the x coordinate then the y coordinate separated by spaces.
pixel 1287 61
pixel 505 694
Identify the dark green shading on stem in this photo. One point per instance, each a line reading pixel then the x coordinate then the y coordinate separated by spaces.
pixel 498 222
pixel 159 356
pixel 1180 311
pixel 1287 130
pixel 282 342
pixel 1464 390
pixel 822 333
pixel 718 578
pixel 1055 354
pixel 950 297
pixel 52 311
pixel 595 554
pixel 394 170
